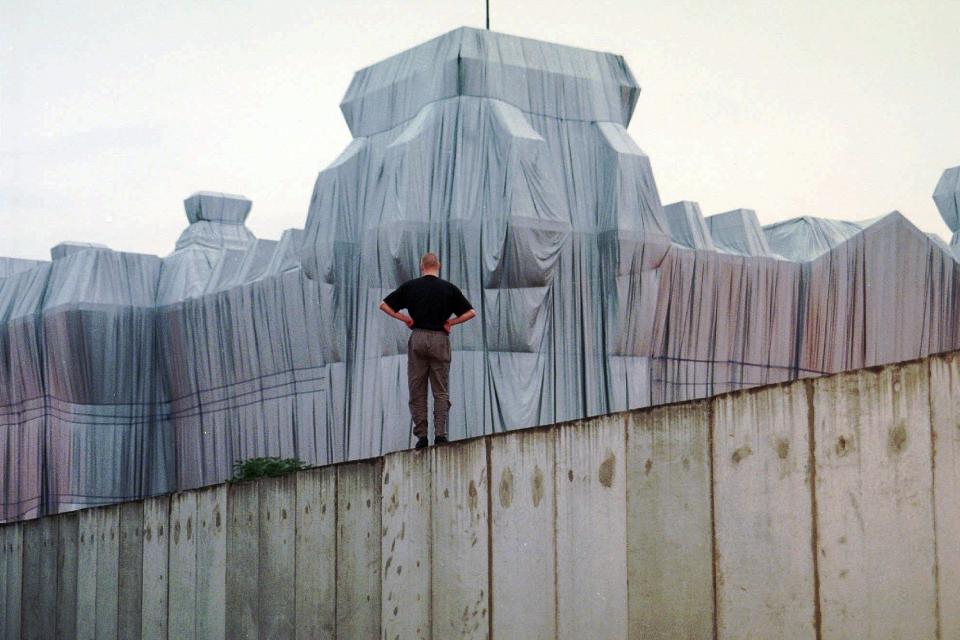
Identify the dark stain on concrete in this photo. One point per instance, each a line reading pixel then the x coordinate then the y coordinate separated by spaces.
pixel 783 448
pixel 740 454
pixel 506 488
pixel 472 495
pixel 607 469
pixel 843 447
pixel 897 439
pixel 394 503
pixel 537 487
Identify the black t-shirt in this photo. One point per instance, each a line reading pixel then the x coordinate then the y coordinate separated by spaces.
pixel 430 300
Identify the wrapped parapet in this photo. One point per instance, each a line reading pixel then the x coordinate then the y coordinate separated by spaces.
pixel 687 226
pixel 22 396
pixel 108 433
pixel 739 232
pixel 802 239
pixel 947 197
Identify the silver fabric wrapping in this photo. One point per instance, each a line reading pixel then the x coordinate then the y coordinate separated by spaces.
pixel 738 232
pixel 687 226
pixel 126 375
pixel 947 197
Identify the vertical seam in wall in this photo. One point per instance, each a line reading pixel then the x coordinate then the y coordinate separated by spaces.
pixel 336 544
pixel 626 510
pixel 711 426
pixel 256 588
pixel 488 446
pixel 814 521
pixel 431 465
pixel 933 497
pixel 294 517
pixel 119 558
pixel 55 541
pixel 96 563
pixel 23 552
pixel 166 572
pixel 556 576
pixel 195 530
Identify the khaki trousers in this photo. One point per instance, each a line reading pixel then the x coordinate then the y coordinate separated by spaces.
pixel 428 357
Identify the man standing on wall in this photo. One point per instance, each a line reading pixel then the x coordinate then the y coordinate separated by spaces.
pixel 431 301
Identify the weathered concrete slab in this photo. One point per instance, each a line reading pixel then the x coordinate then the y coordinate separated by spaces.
pixel 875 511
pixel 669 525
pixel 405 551
pixel 762 505
pixel 211 531
pixel 87 575
pixel 182 589
pixel 591 529
pixel 243 561
pixel 12 541
pixel 68 537
pixel 358 550
pixel 39 590
pixel 130 580
pixel 278 505
pixel 460 536
pixel 156 536
pixel 316 561
pixel 522 468
pixel 108 571
pixel 945 416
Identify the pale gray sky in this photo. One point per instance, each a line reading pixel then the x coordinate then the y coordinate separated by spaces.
pixel 112 112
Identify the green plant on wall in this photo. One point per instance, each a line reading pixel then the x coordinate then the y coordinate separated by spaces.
pixel 266 467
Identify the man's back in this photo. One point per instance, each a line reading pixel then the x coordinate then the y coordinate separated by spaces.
pixel 430 300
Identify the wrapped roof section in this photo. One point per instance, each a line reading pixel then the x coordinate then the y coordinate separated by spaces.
pixel 687 226
pixel 738 232
pixel 802 239
pixel 947 197
pixel 10 266
pixel 536 77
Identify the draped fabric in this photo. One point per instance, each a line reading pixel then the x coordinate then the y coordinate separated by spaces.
pixel 126 375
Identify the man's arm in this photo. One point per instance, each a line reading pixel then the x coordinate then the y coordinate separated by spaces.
pixel 463 317
pixel 402 317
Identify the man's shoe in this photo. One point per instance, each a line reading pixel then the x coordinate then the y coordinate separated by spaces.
pixel 440 440
pixel 422 443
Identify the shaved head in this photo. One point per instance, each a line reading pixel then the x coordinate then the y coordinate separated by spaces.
pixel 429 262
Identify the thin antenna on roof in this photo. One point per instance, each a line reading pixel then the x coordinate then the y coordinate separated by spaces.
pixel 488 14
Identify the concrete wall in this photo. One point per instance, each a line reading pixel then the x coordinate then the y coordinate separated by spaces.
pixel 825 508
